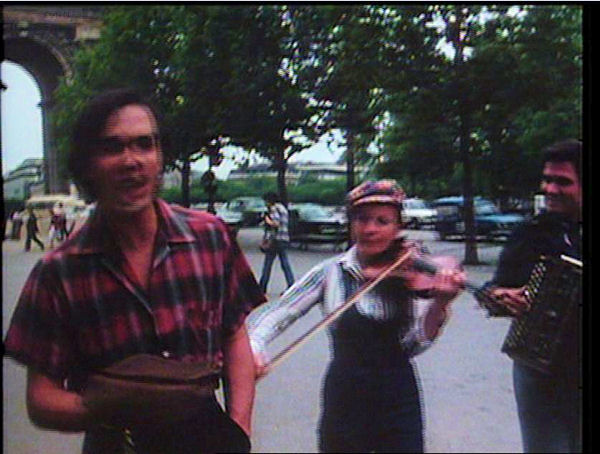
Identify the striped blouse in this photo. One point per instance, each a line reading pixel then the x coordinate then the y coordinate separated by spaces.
pixel 324 285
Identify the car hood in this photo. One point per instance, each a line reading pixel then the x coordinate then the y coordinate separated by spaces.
pixel 322 220
pixel 230 216
pixel 504 218
pixel 424 212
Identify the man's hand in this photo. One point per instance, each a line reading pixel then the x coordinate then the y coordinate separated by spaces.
pixel 513 299
pixel 50 406
pixel 240 374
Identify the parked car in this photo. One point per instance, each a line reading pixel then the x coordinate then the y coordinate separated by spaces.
pixel 312 223
pixel 416 213
pixel 489 221
pixel 233 219
pixel 251 209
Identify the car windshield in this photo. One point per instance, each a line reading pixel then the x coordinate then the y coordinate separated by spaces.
pixel 246 204
pixel 486 208
pixel 415 204
pixel 312 211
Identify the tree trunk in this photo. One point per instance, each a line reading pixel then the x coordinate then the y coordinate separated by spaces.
pixel 349 160
pixel 471 257
pixel 281 170
pixel 349 171
pixel 185 182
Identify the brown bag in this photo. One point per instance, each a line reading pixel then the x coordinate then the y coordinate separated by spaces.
pixel 149 389
pixel 266 244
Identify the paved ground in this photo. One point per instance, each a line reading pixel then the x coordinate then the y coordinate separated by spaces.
pixel 466 382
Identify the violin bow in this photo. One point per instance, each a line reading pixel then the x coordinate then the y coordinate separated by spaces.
pixel 367 286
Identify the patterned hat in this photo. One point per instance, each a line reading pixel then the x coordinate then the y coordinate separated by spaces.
pixel 382 191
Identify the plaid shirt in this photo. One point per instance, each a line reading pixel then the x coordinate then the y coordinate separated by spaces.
pixel 80 310
pixel 324 285
pixel 279 213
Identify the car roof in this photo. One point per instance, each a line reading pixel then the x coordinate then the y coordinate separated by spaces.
pixel 458 200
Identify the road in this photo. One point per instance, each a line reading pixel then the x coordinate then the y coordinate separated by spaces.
pixel 465 380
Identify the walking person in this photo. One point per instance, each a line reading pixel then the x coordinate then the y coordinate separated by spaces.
pixel 32 230
pixel 276 229
pixel 54 233
pixel 17 223
pixel 140 277
pixel 548 401
pixel 370 398
pixel 61 221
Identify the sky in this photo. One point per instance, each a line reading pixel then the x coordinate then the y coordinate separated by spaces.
pixel 22 126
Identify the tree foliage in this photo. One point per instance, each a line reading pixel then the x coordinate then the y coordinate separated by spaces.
pixel 446 98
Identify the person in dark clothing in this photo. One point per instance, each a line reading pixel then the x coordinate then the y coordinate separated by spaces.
pixel 32 230
pixel 549 404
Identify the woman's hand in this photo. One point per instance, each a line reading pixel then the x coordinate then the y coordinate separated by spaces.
pixel 447 284
pixel 260 364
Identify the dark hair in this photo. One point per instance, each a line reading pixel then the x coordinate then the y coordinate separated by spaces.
pixel 90 125
pixel 565 151
pixel 271 197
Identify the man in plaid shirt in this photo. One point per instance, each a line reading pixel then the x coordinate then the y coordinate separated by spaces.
pixel 140 276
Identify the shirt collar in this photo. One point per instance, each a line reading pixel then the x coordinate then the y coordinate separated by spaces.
pixel 349 262
pixel 94 237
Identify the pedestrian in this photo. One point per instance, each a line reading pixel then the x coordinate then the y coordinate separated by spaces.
pixel 61 223
pixel 276 231
pixel 32 230
pixel 548 402
pixel 17 223
pixel 139 277
pixel 370 397
pixel 55 228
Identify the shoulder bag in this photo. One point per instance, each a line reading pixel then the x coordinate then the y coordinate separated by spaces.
pixel 149 389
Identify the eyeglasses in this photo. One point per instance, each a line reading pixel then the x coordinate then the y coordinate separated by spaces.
pixel 115 145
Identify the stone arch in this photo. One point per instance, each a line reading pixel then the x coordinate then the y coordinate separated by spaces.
pixel 47 65
pixel 43 40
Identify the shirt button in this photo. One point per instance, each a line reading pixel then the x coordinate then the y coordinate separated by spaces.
pixel 166 354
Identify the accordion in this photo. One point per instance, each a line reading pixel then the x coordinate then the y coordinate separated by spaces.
pixel 554 293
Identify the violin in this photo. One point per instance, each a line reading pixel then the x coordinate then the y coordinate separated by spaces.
pixel 417 271
pixel 400 258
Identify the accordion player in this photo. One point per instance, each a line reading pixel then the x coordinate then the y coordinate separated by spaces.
pixel 541 268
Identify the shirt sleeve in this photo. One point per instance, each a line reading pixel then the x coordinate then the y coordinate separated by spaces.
pixel 242 291
pixel 270 320
pixel 414 341
pixel 38 335
pixel 517 258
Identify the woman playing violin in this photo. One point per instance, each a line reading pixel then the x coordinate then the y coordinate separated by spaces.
pixel 371 400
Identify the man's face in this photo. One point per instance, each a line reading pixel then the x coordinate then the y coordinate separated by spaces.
pixel 562 188
pixel 127 161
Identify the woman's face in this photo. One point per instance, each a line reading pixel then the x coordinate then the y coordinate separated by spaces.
pixel 374 227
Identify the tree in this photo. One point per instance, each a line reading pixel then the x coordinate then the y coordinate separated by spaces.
pixel 270 113
pixel 485 91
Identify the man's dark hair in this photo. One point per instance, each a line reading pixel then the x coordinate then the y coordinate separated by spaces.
pixel 90 125
pixel 271 197
pixel 565 151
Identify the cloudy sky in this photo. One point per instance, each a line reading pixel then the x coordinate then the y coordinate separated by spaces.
pixel 22 125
